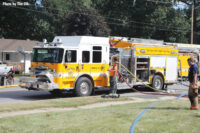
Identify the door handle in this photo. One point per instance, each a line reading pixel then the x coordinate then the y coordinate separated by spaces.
pixel 77 68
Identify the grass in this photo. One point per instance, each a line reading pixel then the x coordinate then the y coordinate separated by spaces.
pixel 169 117
pixel 56 103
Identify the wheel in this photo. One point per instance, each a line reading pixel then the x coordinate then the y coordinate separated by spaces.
pixel 83 87
pixel 158 82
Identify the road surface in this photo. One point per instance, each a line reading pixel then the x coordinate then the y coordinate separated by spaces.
pixel 17 94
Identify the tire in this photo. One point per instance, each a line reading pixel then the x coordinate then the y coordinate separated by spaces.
pixel 158 82
pixel 83 87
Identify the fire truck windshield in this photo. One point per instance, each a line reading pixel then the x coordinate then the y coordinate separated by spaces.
pixel 51 55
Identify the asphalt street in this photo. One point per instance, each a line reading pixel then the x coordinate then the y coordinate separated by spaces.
pixel 17 94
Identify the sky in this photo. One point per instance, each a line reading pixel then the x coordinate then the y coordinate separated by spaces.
pixel 38 2
pixel 180 5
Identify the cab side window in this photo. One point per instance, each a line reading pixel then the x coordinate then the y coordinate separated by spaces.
pixel 70 56
pixel 85 56
pixel 97 54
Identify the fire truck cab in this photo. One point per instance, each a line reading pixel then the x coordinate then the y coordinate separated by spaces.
pixel 70 62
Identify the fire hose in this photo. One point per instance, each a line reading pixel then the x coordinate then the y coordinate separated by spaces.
pixel 163 93
pixel 154 104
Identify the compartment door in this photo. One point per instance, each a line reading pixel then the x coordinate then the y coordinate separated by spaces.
pixel 171 69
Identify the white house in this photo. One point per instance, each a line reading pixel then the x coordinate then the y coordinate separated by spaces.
pixel 9 53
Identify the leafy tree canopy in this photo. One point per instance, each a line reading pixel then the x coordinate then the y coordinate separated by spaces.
pixel 85 22
pixel 142 19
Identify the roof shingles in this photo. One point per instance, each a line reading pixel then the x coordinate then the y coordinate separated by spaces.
pixel 13 44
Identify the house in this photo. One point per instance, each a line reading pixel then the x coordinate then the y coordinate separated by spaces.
pixel 9 53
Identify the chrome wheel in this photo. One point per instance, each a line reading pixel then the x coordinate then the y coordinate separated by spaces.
pixel 84 88
pixel 157 84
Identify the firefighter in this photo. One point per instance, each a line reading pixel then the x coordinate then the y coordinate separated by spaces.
pixel 113 69
pixel 193 88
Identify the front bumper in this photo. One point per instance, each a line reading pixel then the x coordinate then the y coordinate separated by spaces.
pixel 33 84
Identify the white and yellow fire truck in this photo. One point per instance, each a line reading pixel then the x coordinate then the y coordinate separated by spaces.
pixel 80 63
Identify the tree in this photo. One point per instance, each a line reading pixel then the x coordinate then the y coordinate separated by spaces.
pixel 24 22
pixel 85 21
pixel 176 26
pixel 144 19
pixel 35 21
pixel 196 20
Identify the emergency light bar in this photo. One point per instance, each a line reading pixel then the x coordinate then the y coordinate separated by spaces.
pixel 46 44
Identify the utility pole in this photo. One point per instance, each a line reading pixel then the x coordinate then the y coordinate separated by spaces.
pixel 192 24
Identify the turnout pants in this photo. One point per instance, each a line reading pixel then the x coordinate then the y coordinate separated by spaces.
pixel 113 84
pixel 193 96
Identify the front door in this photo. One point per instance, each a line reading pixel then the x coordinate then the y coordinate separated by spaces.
pixel 71 68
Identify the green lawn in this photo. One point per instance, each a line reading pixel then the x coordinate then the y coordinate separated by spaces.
pixel 57 103
pixel 169 117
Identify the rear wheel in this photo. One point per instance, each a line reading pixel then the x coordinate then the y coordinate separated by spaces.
pixel 83 87
pixel 158 82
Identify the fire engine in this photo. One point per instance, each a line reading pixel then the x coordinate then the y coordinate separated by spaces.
pixel 80 63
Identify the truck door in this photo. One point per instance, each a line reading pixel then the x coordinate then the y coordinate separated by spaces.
pixel 71 68
pixel 99 65
pixel 85 62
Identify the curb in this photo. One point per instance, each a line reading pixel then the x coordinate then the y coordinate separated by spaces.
pixel 7 86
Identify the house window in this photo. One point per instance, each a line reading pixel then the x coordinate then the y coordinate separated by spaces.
pixel 7 56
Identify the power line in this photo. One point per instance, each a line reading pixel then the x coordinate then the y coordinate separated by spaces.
pixel 115 19
pixel 136 22
pixel 141 27
pixel 27 9
pixel 161 29
pixel 161 2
